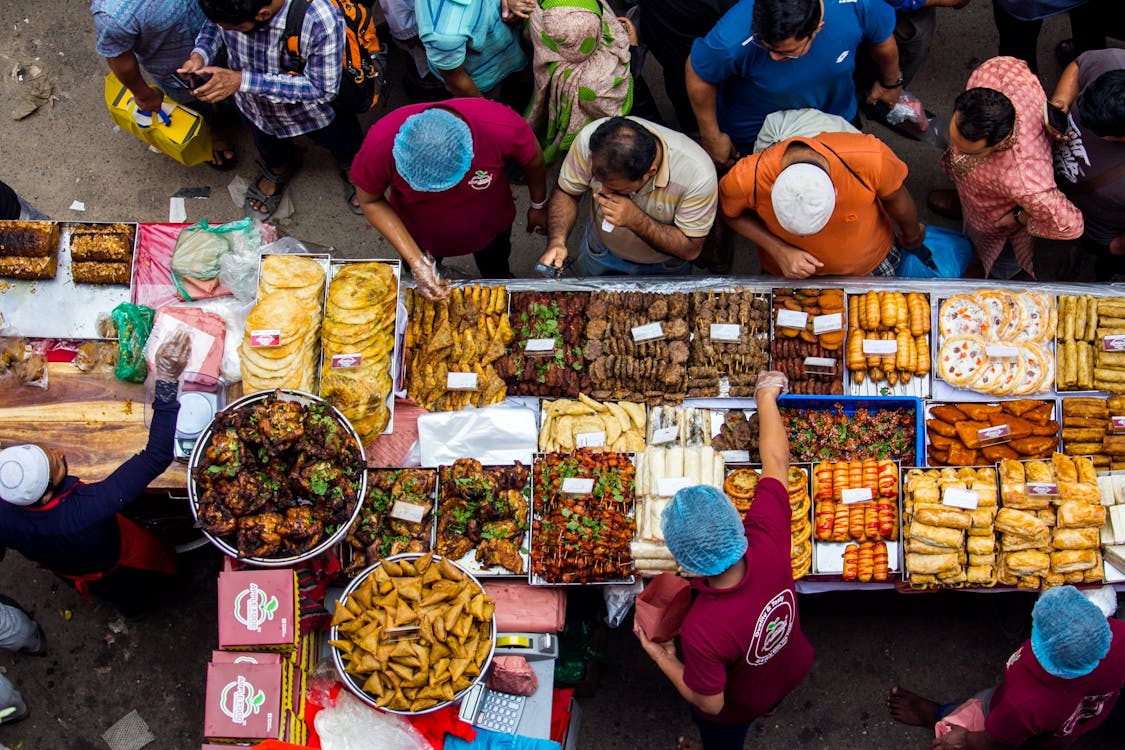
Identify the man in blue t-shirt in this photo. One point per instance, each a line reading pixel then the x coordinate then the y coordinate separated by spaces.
pixel 769 55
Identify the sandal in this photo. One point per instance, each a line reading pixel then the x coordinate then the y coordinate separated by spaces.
pixel 349 192
pixel 220 150
pixel 269 202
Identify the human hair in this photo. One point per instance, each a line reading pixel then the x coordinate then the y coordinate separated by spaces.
pixel 1101 105
pixel 231 12
pixel 777 20
pixel 621 148
pixel 985 113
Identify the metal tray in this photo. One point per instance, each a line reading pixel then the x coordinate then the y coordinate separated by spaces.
pixel 918 387
pixel 348 553
pixel 468 561
pixel 828 557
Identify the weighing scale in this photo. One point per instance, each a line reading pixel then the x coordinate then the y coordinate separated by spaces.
pixel 197 409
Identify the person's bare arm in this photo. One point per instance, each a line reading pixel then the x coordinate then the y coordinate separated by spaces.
pixel 773 442
pixel 562 214
pixel 665 238
pixel 535 172
pixel 128 71
pixel 794 262
pixel 1066 91
pixel 885 56
pixel 383 217
pixel 664 656
pixel 900 206
pixel 460 83
pixel 704 97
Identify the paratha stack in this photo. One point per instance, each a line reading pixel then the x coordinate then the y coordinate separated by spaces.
pixel 358 339
pixel 290 295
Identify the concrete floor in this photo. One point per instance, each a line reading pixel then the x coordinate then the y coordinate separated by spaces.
pixel 99 668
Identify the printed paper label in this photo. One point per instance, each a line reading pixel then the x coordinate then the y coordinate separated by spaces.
pixel 589 440
pixel 1001 351
pixel 959 497
pixel 577 486
pixel 665 435
pixel 1114 343
pixel 539 347
pixel 736 457
pixel 648 332
pixel 461 381
pixel 669 486
pixel 792 319
pixel 1001 433
pixel 1117 423
pixel 855 495
pixel 726 332
pixel 265 339
pixel 820 364
pixel 828 323
pixel 1042 488
pixel 880 346
pixel 346 361
pixel 409 512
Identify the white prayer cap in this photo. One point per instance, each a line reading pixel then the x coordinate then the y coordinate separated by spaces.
pixel 803 199
pixel 25 474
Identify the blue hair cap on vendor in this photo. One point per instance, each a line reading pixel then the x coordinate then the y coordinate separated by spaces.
pixel 433 150
pixel 1069 634
pixel 703 530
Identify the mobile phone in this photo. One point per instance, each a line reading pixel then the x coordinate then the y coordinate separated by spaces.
pixel 551 272
pixel 192 81
pixel 1055 118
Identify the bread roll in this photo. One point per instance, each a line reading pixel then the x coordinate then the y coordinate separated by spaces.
pixel 979 574
pixel 1071 560
pixel 1012 521
pixel 915 545
pixel 1027 562
pixel 1075 514
pixel 1085 492
pixel 939 515
pixel 1087 538
pixel 982 518
pixel 1065 471
pixel 930 564
pixel 1038 471
pixel 988 560
pixel 1014 543
pixel 981 545
pixel 937 536
pixel 1011 472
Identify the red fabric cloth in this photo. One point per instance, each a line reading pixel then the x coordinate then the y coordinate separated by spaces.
pixel 436 725
pixel 560 713
pixel 1031 704
pixel 152 277
pixel 746 641
pixel 391 450
pixel 473 212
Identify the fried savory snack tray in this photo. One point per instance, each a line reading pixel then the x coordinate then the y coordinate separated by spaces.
pixel 483 508
pixel 949 546
pixel 413 634
pixel 734 355
pixel 954 436
pixel 583 538
pixel 29 249
pixel 396 517
pixel 888 316
pixel 831 434
pixel 1091 343
pixel 741 484
pixel 464 333
pixel 790 347
pixel 277 476
pixel 738 432
pixel 644 365
pixel 357 340
pixel 1088 430
pixel 561 371
pixel 615 426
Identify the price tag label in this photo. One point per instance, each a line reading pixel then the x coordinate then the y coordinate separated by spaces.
pixel 577 486
pixel 1001 351
pixel 1001 433
pixel 346 361
pixel 855 495
pixel 461 381
pixel 539 347
pixel 589 440
pixel 1114 343
pixel 1117 424
pixel 821 365
pixel 735 457
pixel 959 497
pixel 726 331
pixel 828 323
pixel 792 319
pixel 880 346
pixel 665 435
pixel 1043 489
pixel 265 339
pixel 669 486
pixel 648 332
pixel 409 512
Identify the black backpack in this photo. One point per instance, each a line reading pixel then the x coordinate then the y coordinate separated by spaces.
pixel 361 80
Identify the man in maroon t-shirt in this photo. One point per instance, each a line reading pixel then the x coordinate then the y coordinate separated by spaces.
pixel 1057 686
pixel 742 642
pixel 431 179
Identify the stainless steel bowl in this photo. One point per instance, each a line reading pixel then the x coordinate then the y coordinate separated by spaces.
pixel 205 439
pixel 357 687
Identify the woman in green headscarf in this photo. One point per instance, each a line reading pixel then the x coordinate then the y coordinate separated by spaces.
pixel 581 69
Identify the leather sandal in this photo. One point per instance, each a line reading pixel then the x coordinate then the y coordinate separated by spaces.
pixel 269 202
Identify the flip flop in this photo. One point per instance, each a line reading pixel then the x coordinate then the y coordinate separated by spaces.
pixel 349 193
pixel 220 148
pixel 269 202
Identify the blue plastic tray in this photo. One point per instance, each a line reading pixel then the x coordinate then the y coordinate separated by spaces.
pixel 871 403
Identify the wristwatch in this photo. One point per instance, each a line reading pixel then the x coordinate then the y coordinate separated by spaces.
pixel 896 85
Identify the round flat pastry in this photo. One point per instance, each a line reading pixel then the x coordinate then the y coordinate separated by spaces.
pixel 961 359
pixel 1009 376
pixel 996 307
pixel 1014 320
pixel 961 315
pixel 1036 317
pixel 291 272
pixel 1038 373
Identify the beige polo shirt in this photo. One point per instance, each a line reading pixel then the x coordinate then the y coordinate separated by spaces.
pixel 684 191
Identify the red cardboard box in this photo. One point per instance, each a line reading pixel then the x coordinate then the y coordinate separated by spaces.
pixel 258 610
pixel 243 702
pixel 245 657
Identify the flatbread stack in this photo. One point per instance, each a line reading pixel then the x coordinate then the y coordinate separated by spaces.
pixel 948 546
pixel 1050 523
pixel 995 342
pixel 279 346
pixel 358 339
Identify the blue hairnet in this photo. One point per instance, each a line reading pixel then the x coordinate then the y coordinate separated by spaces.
pixel 1069 634
pixel 433 150
pixel 703 530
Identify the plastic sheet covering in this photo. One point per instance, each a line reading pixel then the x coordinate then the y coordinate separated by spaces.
pixel 494 435
pixel 351 725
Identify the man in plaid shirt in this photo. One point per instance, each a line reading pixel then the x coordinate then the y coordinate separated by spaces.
pixel 278 105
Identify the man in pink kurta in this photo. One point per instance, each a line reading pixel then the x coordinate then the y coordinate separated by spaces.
pixel 1006 184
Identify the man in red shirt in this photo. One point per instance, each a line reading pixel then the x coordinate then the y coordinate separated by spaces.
pixel 431 179
pixel 1057 686
pixel 743 649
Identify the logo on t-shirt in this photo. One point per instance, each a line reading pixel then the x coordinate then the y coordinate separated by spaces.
pixel 843 56
pixel 1014 658
pixel 480 180
pixel 1089 708
pixel 772 630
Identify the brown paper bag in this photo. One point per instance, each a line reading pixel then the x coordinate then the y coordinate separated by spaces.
pixel 662 607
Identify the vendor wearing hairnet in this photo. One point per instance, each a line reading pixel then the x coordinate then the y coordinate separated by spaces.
pixel 743 649
pixel 75 529
pixel 431 179
pixel 823 206
pixel 1058 685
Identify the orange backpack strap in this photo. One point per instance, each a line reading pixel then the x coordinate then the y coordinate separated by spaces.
pixel 291 60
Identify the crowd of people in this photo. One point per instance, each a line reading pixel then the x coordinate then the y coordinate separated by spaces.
pixel 767 98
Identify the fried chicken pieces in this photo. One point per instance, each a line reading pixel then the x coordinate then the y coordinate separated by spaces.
pixel 483 508
pixel 276 476
pixel 382 528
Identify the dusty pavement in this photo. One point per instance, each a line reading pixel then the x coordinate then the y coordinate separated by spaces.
pixel 100 668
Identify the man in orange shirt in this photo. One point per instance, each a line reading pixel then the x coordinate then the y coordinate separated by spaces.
pixel 823 206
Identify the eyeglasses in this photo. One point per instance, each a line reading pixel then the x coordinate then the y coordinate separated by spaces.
pixel 804 48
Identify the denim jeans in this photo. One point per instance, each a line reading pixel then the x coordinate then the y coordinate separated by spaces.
pixel 595 259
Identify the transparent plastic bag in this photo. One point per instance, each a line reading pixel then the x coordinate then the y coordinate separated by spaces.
pixel 22 362
pixel 353 725
pixel 619 599
pixel 200 248
pixel 238 269
pixel 134 323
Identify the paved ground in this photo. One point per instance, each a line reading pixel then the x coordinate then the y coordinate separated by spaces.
pixel 100 667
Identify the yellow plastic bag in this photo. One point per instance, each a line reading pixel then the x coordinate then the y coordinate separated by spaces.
pixel 187 139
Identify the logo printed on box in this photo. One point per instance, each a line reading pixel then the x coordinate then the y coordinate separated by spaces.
pixel 239 701
pixel 254 607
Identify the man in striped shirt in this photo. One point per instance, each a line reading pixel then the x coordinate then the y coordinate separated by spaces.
pixel 278 104
pixel 655 196
pixel 470 46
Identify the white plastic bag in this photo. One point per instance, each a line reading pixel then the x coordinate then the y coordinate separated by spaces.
pixel 238 269
pixel 619 599
pixel 353 725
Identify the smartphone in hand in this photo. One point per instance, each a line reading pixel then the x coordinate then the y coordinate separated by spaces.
pixel 192 81
pixel 1055 118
